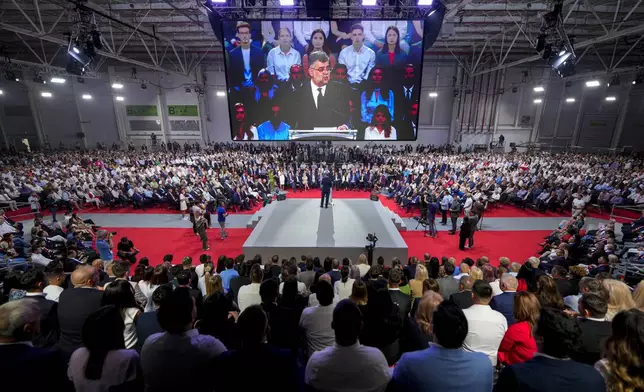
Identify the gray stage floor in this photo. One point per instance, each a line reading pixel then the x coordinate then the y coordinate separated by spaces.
pixel 300 225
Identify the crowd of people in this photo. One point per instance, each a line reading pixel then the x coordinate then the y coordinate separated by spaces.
pixel 325 325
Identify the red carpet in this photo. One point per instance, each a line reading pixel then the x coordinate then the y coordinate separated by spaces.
pixel 155 243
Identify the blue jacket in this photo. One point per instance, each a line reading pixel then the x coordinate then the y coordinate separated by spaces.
pixel 504 304
pixel 441 369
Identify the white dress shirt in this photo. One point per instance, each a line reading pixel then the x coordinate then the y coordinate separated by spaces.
pixel 486 328
pixel 52 292
pixel 359 63
pixel 316 324
pixel 371 133
pixel 301 288
pixel 279 63
pixel 314 90
pixel 39 259
pixel 343 290
pixel 248 295
pixel 351 368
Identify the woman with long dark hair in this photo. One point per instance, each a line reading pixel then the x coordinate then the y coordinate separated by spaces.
pixel 103 363
pixel 318 43
pixel 390 55
pixel 121 294
pixel 380 127
pixel 622 365
pixel 154 277
pixel 548 293
pixel 376 94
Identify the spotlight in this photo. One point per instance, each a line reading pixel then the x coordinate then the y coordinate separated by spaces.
pixel 592 83
pixel 73 67
pixel 368 2
pixel 433 95
pixel 87 96
pixel 221 94
pixel 82 58
pixel 57 80
pixel 611 98
pixel 570 100
pixel 117 86
pixel 1 92
pixel 121 99
pixel 538 89
pixel 563 57
pixel 287 2
pixel 218 1
pixel 566 69
pixel 46 94
pixel 425 2
pixel 537 100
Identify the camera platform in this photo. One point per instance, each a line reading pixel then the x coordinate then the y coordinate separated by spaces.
pixel 296 227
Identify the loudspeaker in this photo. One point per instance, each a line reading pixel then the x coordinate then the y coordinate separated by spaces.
pixel 281 196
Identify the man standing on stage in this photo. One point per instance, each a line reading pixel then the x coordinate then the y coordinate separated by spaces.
pixel 326 190
pixel 432 208
pixel 221 218
pixel 201 225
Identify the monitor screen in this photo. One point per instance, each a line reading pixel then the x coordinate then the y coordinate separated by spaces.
pixel 323 80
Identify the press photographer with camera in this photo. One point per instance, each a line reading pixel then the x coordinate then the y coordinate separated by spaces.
pixel 126 250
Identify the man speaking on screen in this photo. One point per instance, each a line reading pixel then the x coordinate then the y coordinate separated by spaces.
pixel 320 104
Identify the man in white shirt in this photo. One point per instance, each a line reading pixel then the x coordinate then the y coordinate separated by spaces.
pixel 37 257
pixel 347 365
pixel 358 58
pixel 249 294
pixel 55 281
pixel 486 327
pixel 5 227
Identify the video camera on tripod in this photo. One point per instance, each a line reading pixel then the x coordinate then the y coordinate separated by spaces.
pixel 371 246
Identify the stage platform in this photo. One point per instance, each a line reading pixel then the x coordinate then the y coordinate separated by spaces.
pixel 293 227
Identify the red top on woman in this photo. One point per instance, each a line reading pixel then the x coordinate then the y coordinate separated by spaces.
pixel 518 344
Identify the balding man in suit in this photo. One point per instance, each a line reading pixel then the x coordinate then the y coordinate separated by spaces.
pixel 504 303
pixel 75 305
pixel 464 298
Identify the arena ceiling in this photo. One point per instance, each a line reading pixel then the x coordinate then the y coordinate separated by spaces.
pixel 175 35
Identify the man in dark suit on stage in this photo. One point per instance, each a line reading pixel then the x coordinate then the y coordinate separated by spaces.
pixel 245 61
pixel 320 103
pixel 326 190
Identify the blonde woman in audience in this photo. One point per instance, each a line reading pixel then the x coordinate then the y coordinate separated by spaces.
pixel 207 271
pixel 476 274
pixel 362 265
pixel 622 365
pixel 421 324
pixel 619 298
pixel 638 296
pixel 416 284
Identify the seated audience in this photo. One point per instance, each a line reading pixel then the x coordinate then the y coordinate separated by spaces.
pixel 622 366
pixel 25 367
pixel 121 294
pixel 56 279
pixel 347 365
pixel 551 369
pixel 400 299
pixel 464 297
pixel 104 363
pixel 343 287
pixel 316 321
pixel 75 305
pixel 448 285
pixel 548 293
pixel 486 327
pixel 33 281
pixel 231 368
pixel 586 285
pixel 504 303
pixel 420 328
pixel 443 366
pixel 594 327
pixel 619 298
pixel 518 344
pixel 147 323
pixel 248 295
pixel 180 350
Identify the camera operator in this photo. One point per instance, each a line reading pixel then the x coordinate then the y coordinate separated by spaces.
pixel 104 245
pixel 126 250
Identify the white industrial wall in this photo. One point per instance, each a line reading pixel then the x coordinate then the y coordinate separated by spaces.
pixel 475 111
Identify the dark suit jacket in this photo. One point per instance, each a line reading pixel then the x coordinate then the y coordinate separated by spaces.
pixel 332 113
pixel 49 330
pixel 327 183
pixel 405 130
pixel 335 276
pixel 32 369
pixel 410 271
pixel 74 306
pixel 593 335
pixel 562 375
pixel 382 59
pixel 272 271
pixel 565 287
pixel 236 283
pixel 266 362
pixel 403 301
pixel 462 299
pixel 236 64
pixel 146 325
pixel 504 304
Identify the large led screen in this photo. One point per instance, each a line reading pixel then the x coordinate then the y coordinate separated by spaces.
pixel 323 80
